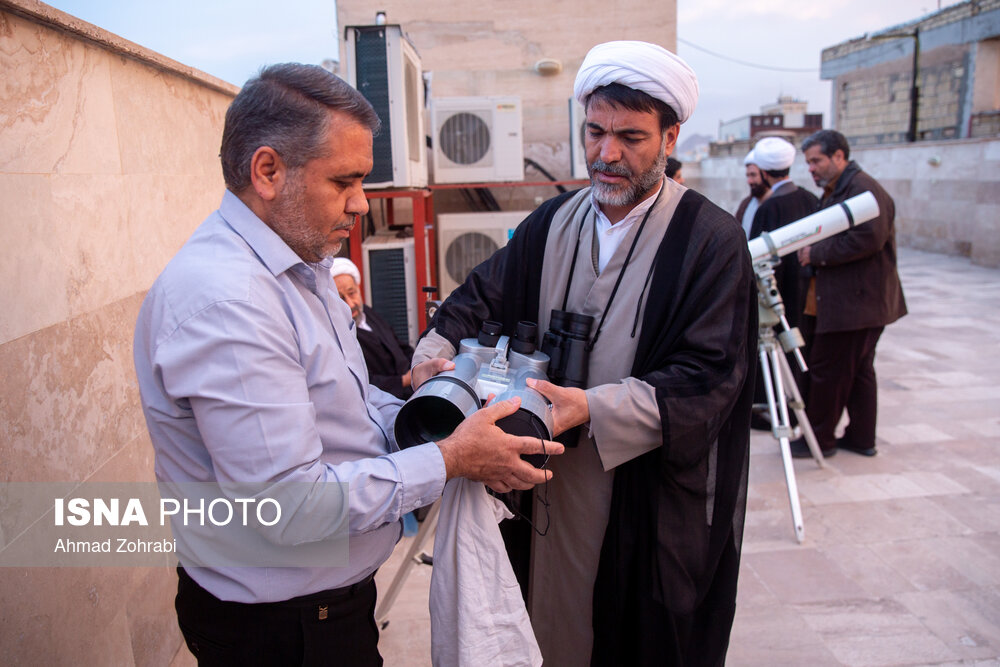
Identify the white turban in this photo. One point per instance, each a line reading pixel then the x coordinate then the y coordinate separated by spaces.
pixel 342 265
pixel 750 159
pixel 773 154
pixel 642 66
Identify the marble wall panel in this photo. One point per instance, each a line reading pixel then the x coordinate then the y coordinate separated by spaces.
pixel 31 297
pixel 56 106
pixel 162 211
pixel 166 126
pixel 70 400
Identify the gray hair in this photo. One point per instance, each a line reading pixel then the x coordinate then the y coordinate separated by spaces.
pixel 286 107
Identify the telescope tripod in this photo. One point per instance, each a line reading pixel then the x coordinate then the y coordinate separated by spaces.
pixel 779 383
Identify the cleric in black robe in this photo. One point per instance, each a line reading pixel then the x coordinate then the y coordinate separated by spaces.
pixel 654 493
pixel 387 359
pixel 787 203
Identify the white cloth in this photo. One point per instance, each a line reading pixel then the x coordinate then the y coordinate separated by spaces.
pixel 750 158
pixel 478 616
pixel 642 66
pixel 342 265
pixel 773 153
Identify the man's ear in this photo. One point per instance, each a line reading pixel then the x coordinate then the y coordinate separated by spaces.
pixel 267 172
pixel 670 137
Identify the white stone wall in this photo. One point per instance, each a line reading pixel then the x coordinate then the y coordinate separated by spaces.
pixel 947 193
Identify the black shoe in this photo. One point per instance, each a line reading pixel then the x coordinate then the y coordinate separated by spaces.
pixel 800 450
pixel 864 451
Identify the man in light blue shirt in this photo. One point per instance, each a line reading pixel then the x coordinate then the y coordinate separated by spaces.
pixel 251 376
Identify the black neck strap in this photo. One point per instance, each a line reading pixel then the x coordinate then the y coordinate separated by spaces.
pixel 621 274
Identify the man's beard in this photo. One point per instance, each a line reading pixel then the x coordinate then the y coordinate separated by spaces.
pixel 637 187
pixel 288 220
pixel 758 190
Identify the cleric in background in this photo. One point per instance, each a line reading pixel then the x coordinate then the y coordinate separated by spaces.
pixel 387 359
pixel 787 203
pixel 759 191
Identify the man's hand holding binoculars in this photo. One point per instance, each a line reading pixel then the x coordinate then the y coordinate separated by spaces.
pixel 480 451
pixel 569 404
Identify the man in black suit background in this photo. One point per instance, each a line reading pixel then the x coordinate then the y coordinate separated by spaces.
pixel 388 359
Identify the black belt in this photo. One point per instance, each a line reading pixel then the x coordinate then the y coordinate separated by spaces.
pixel 296 602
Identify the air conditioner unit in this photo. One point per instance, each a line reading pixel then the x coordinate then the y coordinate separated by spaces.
pixel 466 239
pixel 477 139
pixel 577 131
pixel 384 67
pixel 390 283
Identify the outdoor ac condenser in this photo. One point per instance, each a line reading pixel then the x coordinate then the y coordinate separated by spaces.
pixel 477 139
pixel 384 67
pixel 466 239
pixel 390 283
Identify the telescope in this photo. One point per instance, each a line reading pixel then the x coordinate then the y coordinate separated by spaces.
pixel 812 228
pixel 767 249
pixel 766 252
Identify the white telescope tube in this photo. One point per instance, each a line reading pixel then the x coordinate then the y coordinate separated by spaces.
pixel 816 227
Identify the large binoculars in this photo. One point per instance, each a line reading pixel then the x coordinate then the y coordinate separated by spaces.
pixel 567 343
pixel 489 364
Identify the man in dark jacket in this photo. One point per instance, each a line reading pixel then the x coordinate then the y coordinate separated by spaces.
pixel 855 293
pixel 387 359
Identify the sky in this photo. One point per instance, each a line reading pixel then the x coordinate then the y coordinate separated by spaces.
pixel 231 39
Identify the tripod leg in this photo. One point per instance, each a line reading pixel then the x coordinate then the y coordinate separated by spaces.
pixel 412 558
pixel 766 372
pixel 784 429
pixel 799 406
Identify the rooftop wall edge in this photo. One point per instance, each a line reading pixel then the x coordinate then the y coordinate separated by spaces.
pixel 41 13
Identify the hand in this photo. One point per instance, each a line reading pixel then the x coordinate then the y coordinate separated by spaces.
pixel 406 379
pixel 804 256
pixel 569 404
pixel 425 370
pixel 479 450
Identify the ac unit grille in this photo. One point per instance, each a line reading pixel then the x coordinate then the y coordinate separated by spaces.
pixel 464 138
pixel 465 252
pixel 373 83
pixel 389 296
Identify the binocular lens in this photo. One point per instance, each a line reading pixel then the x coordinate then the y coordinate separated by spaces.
pixel 426 419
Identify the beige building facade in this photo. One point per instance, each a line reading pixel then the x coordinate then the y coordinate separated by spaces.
pixel 956 52
pixel 492 49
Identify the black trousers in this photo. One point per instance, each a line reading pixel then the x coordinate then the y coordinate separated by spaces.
pixel 334 627
pixel 842 376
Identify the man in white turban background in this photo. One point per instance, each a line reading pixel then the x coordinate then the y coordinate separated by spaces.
pixel 759 191
pixel 630 555
pixel 786 204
